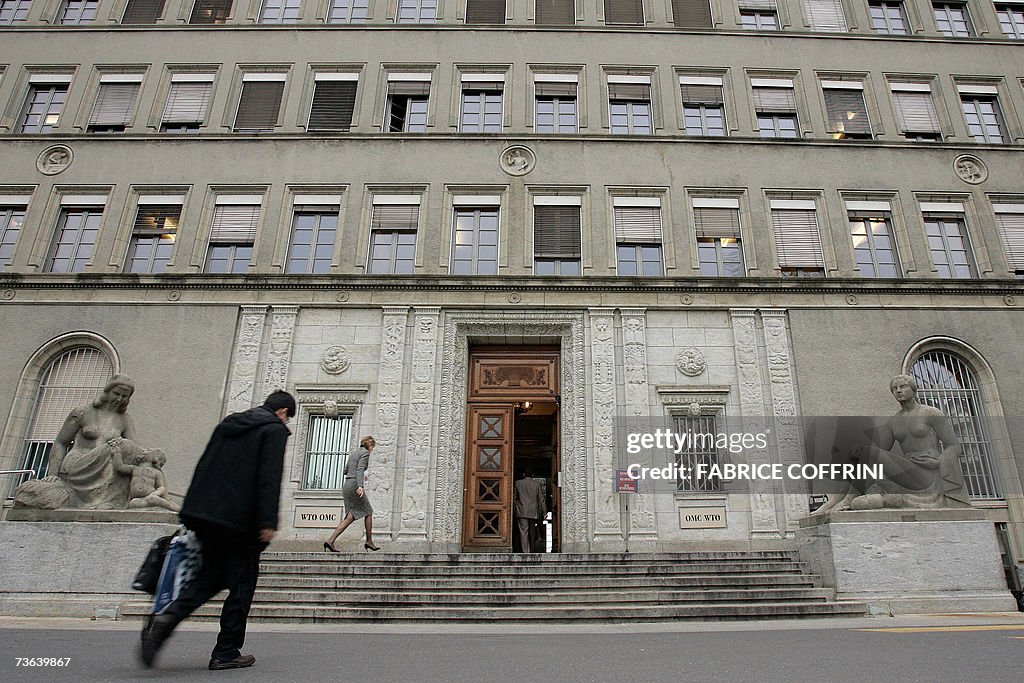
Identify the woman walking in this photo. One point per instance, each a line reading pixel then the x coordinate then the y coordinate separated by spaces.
pixel 357 505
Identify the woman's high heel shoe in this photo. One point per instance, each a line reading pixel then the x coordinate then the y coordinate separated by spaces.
pixel 330 548
pixel 371 547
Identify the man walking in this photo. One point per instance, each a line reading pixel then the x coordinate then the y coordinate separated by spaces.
pixel 232 506
pixel 530 508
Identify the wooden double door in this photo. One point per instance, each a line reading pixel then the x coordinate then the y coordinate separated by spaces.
pixel 505 384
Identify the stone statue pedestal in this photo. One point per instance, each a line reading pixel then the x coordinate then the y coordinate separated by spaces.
pixel 908 561
pixel 75 568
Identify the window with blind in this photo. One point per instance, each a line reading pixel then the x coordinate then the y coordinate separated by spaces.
pixel 78 12
pixel 691 13
pixel 393 228
pixel 233 233
pixel 74 378
pixel 43 107
pixel 314 229
pixel 416 12
pixel 475 240
pixel 775 104
pixel 481 110
pixel 915 111
pixel 759 20
pixel 142 12
pixel 949 244
pixel 555 106
pixel 153 235
pixel 703 106
pixel 1011 20
pixel 873 245
pixel 984 120
pixel 555 12
pixel 210 12
pixel 846 112
pixel 407 104
pixel 12 11
pixel 557 241
pixel 12 218
pixel 334 101
pixel 719 247
pixel 629 106
pixel 75 239
pixel 485 11
pixel 327 443
pixel 348 12
pixel 114 105
pixel 797 240
pixel 260 103
pixel 952 19
pixel 628 12
pixel 281 11
pixel 1010 225
pixel 889 18
pixel 188 100
pixel 826 15
pixel 638 236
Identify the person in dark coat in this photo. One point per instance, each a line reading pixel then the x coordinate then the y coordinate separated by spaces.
pixel 232 506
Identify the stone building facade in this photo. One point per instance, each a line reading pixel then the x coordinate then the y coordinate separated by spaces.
pixel 664 207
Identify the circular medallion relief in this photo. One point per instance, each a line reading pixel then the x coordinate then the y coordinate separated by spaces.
pixel 54 159
pixel 691 362
pixel 970 169
pixel 336 360
pixel 517 160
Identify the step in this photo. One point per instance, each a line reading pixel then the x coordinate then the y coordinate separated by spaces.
pixel 528 583
pixel 532 558
pixel 538 572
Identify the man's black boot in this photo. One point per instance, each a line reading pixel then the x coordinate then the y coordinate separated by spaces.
pixel 156 630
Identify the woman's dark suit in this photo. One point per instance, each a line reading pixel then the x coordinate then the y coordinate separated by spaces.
pixel 355 472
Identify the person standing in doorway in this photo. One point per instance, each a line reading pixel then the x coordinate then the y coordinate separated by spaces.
pixel 357 504
pixel 232 506
pixel 530 508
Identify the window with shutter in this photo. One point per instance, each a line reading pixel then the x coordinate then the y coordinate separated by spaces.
pixel 348 12
pixel 557 241
pixel 78 12
pixel 846 112
pixel 638 235
pixel 187 103
pixel 12 217
pixel 555 106
pixel 797 242
pixel 12 11
pixel 333 104
pixel 555 13
pixel 153 236
pixel 1011 20
pixel 775 104
pixel 703 108
pixel 393 228
pixel 43 107
pixel 408 103
pixel 210 12
pixel 915 111
pixel 233 233
pixel 114 106
pixel 629 12
pixel 949 244
pixel 873 245
pixel 719 248
pixel 142 12
pixel 1010 225
pixel 691 13
pixel 75 239
pixel 759 20
pixel 826 15
pixel 629 106
pixel 485 11
pixel 416 12
pixel 260 103
pixel 481 110
pixel 952 19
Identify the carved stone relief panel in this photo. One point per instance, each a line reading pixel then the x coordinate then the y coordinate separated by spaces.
pixel 604 406
pixel 242 387
pixel 381 475
pixel 279 355
pixel 642 520
pixel 419 438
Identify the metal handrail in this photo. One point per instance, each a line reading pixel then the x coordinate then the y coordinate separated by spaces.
pixel 17 472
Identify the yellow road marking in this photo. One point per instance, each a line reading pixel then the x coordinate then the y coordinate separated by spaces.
pixel 946 629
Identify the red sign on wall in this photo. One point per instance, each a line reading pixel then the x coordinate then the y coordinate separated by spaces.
pixel 624 483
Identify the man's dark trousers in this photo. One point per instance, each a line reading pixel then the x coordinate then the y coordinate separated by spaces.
pixel 228 562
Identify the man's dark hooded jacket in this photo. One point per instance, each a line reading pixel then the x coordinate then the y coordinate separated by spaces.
pixel 237 484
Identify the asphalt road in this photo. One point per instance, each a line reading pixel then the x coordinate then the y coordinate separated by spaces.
pixel 757 651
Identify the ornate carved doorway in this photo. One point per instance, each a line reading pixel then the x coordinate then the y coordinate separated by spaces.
pixel 504 384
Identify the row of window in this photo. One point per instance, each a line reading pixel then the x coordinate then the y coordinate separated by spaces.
pixel 395 226
pixel 851 109
pixel 887 17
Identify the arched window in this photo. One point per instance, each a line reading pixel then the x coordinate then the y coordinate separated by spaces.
pixel 72 379
pixel 948 382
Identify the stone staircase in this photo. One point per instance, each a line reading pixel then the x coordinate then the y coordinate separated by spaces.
pixel 320 588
